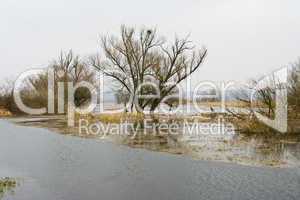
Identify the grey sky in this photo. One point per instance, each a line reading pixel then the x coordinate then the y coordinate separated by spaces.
pixel 245 38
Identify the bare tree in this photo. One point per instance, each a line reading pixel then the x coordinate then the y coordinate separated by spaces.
pixel 71 68
pixel 135 59
pixel 294 86
pixel 6 98
pixel 264 93
pixel 67 68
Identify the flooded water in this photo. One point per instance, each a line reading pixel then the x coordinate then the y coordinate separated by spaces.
pixel 212 144
pixel 47 165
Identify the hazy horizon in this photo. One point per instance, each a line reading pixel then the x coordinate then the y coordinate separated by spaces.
pixel 244 38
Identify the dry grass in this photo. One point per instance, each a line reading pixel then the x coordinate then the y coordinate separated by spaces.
pixel 237 104
pixel 4 113
pixel 251 126
pixel 114 118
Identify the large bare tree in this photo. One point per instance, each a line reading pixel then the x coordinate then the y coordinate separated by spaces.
pixel 139 57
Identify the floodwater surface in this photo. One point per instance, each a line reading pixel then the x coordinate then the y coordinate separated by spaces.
pixel 52 166
pixel 276 150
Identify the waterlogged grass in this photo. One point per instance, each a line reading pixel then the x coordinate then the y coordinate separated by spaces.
pixel 249 126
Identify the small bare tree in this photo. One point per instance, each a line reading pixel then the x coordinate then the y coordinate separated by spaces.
pixel 71 68
pixel 264 95
pixel 67 68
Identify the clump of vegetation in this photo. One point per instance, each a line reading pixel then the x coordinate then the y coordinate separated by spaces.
pixel 7 185
pixel 6 182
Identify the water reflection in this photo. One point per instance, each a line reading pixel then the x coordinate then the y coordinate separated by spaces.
pixel 250 150
pixel 60 167
pixel 270 150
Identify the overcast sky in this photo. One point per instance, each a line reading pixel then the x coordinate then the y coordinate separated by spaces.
pixel 245 38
